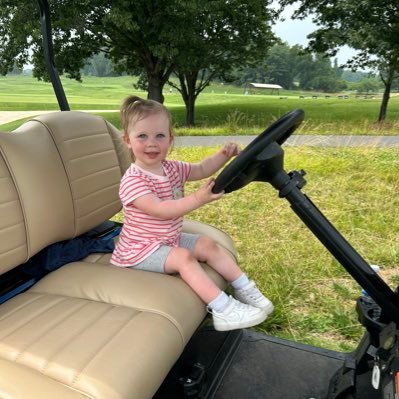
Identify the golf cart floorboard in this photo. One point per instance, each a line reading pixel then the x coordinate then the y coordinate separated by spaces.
pixel 249 365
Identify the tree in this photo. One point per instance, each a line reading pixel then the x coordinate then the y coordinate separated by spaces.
pixel 281 64
pixel 305 70
pixel 351 76
pixel 371 27
pixel 149 38
pixel 98 65
pixel 284 64
pixel 139 35
pixel 337 69
pixel 223 35
pixel 16 70
pixel 367 85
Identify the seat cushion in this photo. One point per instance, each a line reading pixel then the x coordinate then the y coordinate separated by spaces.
pixel 35 385
pixel 135 289
pixel 90 346
pixel 88 325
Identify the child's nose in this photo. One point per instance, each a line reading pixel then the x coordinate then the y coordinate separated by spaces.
pixel 152 140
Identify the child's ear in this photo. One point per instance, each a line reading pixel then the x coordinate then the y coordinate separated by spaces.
pixel 126 140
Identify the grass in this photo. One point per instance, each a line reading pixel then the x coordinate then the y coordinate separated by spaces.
pixel 314 296
pixel 220 109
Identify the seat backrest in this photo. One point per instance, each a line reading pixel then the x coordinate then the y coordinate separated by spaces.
pixel 59 178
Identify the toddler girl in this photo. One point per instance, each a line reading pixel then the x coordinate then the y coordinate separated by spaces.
pixel 152 194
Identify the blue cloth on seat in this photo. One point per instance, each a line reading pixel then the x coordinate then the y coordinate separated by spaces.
pixel 56 255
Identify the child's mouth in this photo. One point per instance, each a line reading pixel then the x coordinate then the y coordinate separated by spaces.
pixel 152 155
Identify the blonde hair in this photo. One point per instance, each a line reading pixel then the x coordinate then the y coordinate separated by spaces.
pixel 134 109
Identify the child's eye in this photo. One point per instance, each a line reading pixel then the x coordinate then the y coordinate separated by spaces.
pixel 141 136
pixel 161 135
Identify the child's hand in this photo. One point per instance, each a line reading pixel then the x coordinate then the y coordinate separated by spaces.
pixel 230 150
pixel 204 194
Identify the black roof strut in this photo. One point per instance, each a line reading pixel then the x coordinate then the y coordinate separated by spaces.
pixel 49 55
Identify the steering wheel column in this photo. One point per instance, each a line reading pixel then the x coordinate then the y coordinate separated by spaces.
pixel 263 160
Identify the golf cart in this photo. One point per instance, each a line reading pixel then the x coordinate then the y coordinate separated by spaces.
pixel 87 329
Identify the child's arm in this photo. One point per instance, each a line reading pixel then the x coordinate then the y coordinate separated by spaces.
pixel 208 166
pixel 169 209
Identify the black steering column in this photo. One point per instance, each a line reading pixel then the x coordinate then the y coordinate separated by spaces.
pixel 263 160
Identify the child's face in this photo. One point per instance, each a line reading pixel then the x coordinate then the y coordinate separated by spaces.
pixel 149 139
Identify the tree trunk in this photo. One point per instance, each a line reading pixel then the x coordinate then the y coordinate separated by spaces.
pixel 190 112
pixel 191 85
pixel 385 100
pixel 155 87
pixel 190 97
pixel 387 80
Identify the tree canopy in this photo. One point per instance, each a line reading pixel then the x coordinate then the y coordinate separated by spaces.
pixel 149 38
pixel 369 26
pixel 224 35
pixel 140 35
pixel 292 67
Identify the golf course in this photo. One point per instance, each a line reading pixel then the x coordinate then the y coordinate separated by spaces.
pixel 220 109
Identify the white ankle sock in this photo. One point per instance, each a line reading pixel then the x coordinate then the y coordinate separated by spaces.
pixel 240 282
pixel 220 302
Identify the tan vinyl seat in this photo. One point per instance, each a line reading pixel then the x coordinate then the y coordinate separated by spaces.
pixel 88 329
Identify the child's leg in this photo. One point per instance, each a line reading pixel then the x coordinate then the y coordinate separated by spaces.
pixel 232 313
pixel 206 250
pixel 182 261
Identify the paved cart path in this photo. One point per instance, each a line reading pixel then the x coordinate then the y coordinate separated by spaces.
pixel 294 140
pixel 297 140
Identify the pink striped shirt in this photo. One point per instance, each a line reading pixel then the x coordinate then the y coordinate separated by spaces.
pixel 143 234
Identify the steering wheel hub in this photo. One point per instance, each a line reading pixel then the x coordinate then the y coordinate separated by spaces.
pixel 262 159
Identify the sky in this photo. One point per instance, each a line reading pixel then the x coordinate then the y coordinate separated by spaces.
pixel 295 32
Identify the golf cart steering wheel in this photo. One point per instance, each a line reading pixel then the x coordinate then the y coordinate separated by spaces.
pixel 246 167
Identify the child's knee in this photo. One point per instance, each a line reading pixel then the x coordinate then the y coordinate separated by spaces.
pixel 181 257
pixel 206 249
pixel 207 244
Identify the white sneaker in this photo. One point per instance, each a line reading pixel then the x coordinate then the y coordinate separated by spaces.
pixel 237 315
pixel 252 296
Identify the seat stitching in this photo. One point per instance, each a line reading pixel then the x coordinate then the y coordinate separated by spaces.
pixel 88 134
pixel 21 306
pixel 11 226
pixel 168 317
pixel 44 368
pixel 96 173
pixel 34 316
pixel 19 198
pixel 13 249
pixel 50 327
pixel 97 210
pixel 93 154
pixel 98 191
pixel 9 202
pixel 78 374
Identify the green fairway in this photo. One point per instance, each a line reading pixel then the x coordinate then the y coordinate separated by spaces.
pixel 220 109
